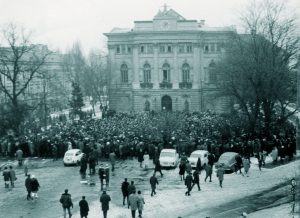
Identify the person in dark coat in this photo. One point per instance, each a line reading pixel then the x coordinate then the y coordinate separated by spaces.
pixel 196 179
pixel 12 176
pixel 188 183
pixel 182 170
pixel 131 188
pixel 6 177
pixel 198 165
pixel 83 166
pixel 141 157
pixel 124 188
pixel 238 163
pixel 84 208
pixel 153 183
pixel 92 163
pixel 34 187
pixel 28 187
pixel 101 173
pixel 105 199
pixel 158 168
pixel 66 202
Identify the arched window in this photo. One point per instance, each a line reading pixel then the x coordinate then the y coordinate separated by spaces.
pixel 185 73
pixel 166 73
pixel 124 73
pixel 186 106
pixel 212 72
pixel 147 73
pixel 147 105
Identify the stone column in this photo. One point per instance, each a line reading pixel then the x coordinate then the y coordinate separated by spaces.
pixel 175 75
pixel 196 66
pixel 135 67
pixel 155 72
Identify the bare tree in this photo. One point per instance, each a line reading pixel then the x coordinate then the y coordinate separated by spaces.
pixel 259 70
pixel 20 61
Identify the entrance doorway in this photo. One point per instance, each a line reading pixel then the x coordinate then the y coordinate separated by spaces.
pixel 166 103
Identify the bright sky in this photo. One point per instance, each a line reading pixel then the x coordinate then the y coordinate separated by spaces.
pixel 59 23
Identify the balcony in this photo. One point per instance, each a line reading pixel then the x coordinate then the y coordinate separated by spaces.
pixel 146 85
pixel 185 85
pixel 165 85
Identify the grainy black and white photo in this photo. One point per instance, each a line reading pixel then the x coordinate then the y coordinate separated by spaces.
pixel 149 108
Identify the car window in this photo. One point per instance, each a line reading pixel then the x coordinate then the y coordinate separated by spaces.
pixel 205 155
pixel 167 154
pixel 195 155
pixel 69 154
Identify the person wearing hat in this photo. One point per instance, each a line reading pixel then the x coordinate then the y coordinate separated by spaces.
pixel 84 208
pixel 105 199
pixel 66 203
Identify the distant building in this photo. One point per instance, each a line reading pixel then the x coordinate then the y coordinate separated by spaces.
pixel 165 64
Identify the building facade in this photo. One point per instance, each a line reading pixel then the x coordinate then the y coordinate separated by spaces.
pixel 165 64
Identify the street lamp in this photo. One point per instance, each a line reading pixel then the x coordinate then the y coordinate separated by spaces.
pixel 293 191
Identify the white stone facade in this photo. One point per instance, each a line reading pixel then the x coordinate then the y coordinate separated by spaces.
pixel 165 64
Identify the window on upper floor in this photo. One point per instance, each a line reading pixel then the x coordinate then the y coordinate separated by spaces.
pixel 185 73
pixel 165 48
pixel 206 48
pixel 124 73
pixel 146 48
pixel 118 49
pixel 166 73
pixel 185 48
pixel 123 49
pixel 212 72
pixel 147 73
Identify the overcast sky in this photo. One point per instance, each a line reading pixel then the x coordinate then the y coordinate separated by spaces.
pixel 59 23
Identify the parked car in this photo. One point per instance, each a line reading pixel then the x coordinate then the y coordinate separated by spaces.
pixel 195 155
pixel 228 161
pixel 168 158
pixel 72 157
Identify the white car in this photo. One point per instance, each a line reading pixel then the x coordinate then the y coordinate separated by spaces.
pixel 72 156
pixel 168 158
pixel 195 155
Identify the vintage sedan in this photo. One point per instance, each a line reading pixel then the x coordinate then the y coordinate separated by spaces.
pixel 168 158
pixel 195 155
pixel 228 161
pixel 72 157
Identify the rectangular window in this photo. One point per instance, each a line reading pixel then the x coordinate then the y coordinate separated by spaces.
pixel 150 48
pixel 162 48
pixel 189 48
pixel 206 48
pixel 129 49
pixel 165 76
pixel 212 47
pixel 123 48
pixel 181 48
pixel 142 50
pixel 118 49
pixel 169 48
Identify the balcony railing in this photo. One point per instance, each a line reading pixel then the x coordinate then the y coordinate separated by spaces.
pixel 185 85
pixel 165 85
pixel 146 85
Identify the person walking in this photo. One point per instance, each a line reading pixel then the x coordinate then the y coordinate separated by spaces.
pixel 124 189
pixel 198 165
pixel 141 202
pixel 196 179
pixel 84 208
pixel 83 166
pixel 188 183
pixel 141 157
pixel 106 175
pixel 220 174
pixel 35 185
pixel 181 170
pixel 12 176
pixel 66 203
pixel 158 168
pixel 112 158
pixel 105 199
pixel 101 173
pixel 28 187
pixel 188 167
pixel 6 177
pixel 153 183
pixel 208 171
pixel 19 156
pixel 238 164
pixel 133 203
pixel 246 164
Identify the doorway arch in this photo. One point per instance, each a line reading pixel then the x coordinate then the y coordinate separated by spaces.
pixel 166 103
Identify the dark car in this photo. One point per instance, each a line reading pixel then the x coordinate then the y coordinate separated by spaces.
pixel 228 161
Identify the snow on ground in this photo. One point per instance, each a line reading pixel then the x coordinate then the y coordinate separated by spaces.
pixel 282 211
pixel 171 201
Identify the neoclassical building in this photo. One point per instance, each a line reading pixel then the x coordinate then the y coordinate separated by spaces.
pixel 165 64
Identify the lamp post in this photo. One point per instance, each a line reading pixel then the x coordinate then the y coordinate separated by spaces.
pixel 293 192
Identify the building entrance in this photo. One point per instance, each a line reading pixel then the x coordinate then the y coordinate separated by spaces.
pixel 166 103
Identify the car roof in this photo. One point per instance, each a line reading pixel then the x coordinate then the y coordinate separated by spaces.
pixel 72 151
pixel 229 154
pixel 168 150
pixel 199 152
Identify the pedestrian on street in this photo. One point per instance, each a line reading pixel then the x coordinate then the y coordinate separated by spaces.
pixel 238 163
pixel 19 156
pixel 84 208
pixel 112 158
pixel 141 202
pixel 34 187
pixel 83 166
pixel 246 164
pixel 188 167
pixel 92 163
pixel 158 168
pixel 198 165
pixel 133 203
pixel 208 171
pixel 12 176
pixel 105 199
pixel 66 203
pixel 6 177
pixel 124 189
pixel 196 179
pixel 101 173
pixel 153 183
pixel 106 175
pixel 220 174
pixel 181 170
pixel 28 187
pixel 188 183
pixel 141 157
